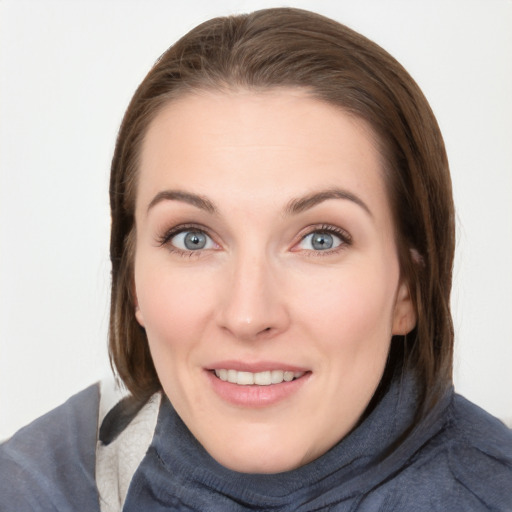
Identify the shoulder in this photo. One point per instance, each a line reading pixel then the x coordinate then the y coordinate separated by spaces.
pixel 49 465
pixel 466 466
pixel 475 427
pixel 480 454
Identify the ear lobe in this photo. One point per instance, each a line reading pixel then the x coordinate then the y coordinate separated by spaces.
pixel 139 317
pixel 404 316
pixel 138 313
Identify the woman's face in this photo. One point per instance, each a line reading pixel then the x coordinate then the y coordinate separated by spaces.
pixel 265 252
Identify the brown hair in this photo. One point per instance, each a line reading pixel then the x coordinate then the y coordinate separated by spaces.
pixel 295 48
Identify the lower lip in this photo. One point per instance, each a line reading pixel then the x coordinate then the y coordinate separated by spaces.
pixel 255 396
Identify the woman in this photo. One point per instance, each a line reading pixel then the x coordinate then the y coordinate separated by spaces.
pixel 282 246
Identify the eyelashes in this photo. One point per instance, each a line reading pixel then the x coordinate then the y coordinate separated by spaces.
pixel 187 240
pixel 318 240
pixel 324 239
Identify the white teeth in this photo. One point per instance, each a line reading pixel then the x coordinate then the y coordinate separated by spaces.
pixel 277 376
pixel 288 376
pixel 265 378
pixel 245 378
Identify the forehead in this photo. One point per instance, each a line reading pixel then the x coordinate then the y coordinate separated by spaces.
pixel 281 138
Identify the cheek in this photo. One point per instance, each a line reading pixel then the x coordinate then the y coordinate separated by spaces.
pixel 353 308
pixel 173 304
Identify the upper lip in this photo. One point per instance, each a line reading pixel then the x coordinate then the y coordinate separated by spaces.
pixel 255 367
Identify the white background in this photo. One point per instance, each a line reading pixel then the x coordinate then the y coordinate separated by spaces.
pixel 67 71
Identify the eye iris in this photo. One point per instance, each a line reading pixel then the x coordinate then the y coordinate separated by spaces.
pixel 322 241
pixel 194 240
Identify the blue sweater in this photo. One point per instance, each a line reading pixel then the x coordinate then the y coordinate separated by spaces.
pixel 457 459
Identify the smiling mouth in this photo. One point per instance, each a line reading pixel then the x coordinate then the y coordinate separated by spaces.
pixel 265 378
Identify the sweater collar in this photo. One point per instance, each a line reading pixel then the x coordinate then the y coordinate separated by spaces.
pixel 356 464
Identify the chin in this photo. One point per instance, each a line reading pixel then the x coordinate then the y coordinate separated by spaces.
pixel 266 457
pixel 268 464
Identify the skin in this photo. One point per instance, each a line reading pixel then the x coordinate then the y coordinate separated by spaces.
pixel 259 291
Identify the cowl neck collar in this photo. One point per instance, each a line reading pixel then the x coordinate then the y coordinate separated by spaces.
pixel 177 466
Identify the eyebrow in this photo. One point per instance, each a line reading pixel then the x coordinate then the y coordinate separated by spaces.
pixel 295 206
pixel 186 197
pixel 305 203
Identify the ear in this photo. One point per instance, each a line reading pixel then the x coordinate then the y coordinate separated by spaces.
pixel 404 316
pixel 139 317
pixel 138 313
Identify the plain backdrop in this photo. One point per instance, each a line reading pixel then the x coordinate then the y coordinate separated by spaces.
pixel 67 71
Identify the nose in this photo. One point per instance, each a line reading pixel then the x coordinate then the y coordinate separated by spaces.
pixel 253 304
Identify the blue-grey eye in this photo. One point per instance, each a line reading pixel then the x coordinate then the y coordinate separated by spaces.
pixel 192 241
pixel 320 241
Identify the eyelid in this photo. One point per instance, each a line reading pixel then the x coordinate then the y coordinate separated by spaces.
pixel 342 234
pixel 165 239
